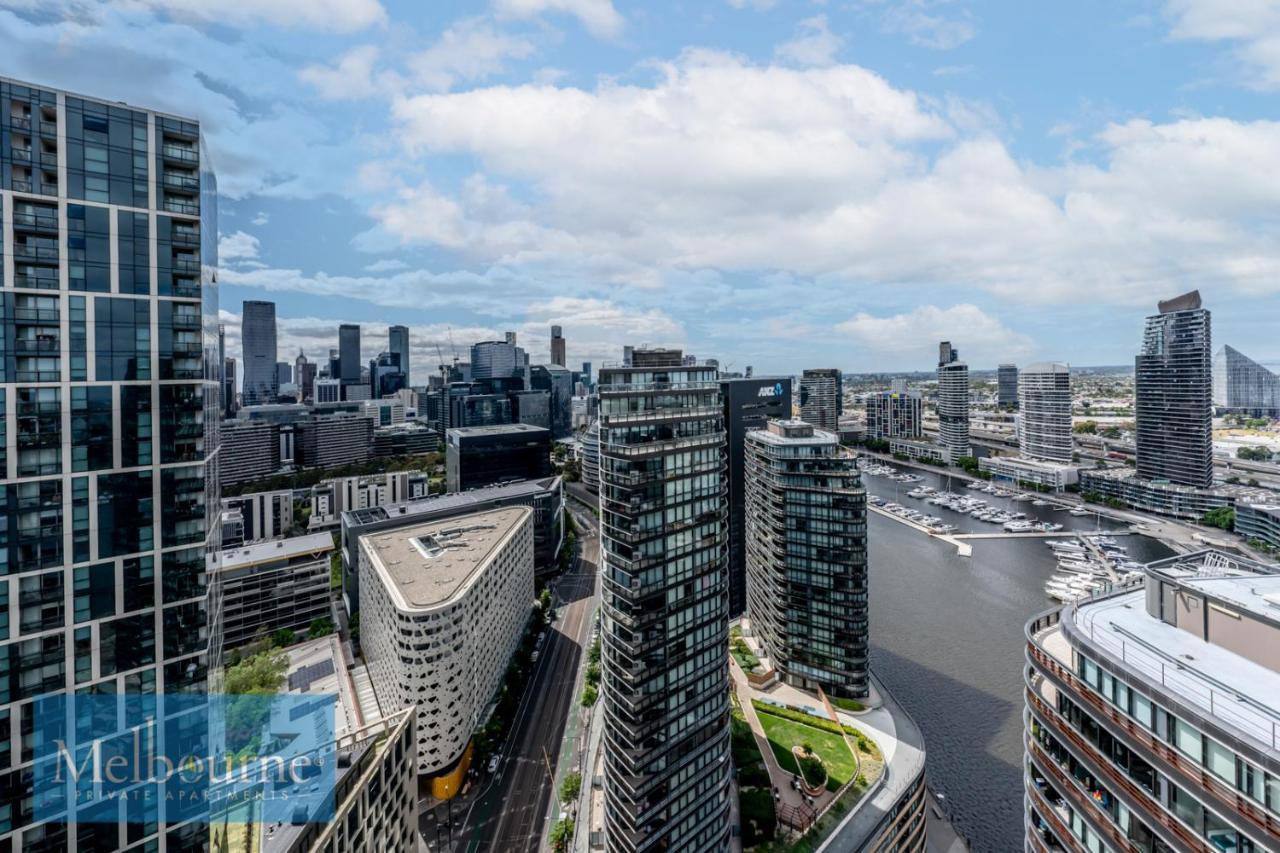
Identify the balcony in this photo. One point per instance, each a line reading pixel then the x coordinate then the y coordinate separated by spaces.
pixel 36 346
pixel 35 254
pixel 41 221
pixel 186 265
pixel 187 184
pixel 20 155
pixel 21 186
pixel 49 128
pixel 186 320
pixel 180 154
pixel 20 122
pixel 36 315
pixel 187 208
pixel 185 236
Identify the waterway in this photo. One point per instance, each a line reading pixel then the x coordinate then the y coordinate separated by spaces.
pixel 947 641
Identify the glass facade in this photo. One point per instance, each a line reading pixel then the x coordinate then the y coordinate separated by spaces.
pixel 108 412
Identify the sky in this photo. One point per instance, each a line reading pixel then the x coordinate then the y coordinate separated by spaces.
pixel 780 183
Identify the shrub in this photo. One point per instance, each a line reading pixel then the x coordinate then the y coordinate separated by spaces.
pixel 589 695
pixel 570 787
pixel 321 627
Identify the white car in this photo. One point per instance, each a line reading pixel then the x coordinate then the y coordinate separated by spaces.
pixel 494 762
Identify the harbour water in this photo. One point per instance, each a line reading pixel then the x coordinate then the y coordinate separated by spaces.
pixel 947 640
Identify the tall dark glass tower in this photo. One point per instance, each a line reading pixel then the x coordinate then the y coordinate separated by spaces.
pixel 258 342
pixel 664 622
pixel 1174 394
pixel 108 476
pixel 349 353
pixel 398 344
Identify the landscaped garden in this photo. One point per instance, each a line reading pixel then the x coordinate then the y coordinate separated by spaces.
pixel 742 652
pixel 755 794
pixel 791 731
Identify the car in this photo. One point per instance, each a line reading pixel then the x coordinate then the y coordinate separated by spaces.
pixel 534 657
pixel 494 762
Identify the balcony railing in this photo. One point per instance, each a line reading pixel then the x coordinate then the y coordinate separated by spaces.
pixel 181 183
pixel 21 155
pixel 20 122
pixel 188 208
pixel 35 254
pixel 41 221
pixel 179 154
pixel 21 186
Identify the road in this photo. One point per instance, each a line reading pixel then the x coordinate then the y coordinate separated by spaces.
pixel 509 811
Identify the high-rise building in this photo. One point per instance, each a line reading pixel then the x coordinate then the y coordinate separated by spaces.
pixel 385 375
pixel 806 552
pixel 398 343
pixel 304 375
pixel 894 415
pixel 558 381
pixel 1173 390
pixel 953 402
pixel 586 373
pixel 667 766
pixel 1151 720
pixel 1007 386
pixel 229 387
pixel 1044 421
pixel 284 373
pixel 748 404
pixel 557 347
pixel 494 360
pixel 349 363
pixel 821 398
pixel 108 487
pixel 258 342
pixel 590 441
pixel 1242 386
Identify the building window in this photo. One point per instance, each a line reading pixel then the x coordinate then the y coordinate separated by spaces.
pixel 95 592
pixel 122 337
pixel 39 432
pixel 135 425
pixel 88 248
pixel 125 514
pixel 133 231
pixel 92 443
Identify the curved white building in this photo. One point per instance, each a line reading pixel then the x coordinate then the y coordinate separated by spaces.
pixel 443 606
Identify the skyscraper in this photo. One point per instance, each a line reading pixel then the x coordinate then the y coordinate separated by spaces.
pixel 664 605
pixel 1174 395
pixel 349 354
pixel 953 402
pixel 258 341
pixel 494 360
pixel 1007 386
pixel 806 552
pixel 1242 386
pixel 398 343
pixel 1044 421
pixel 304 376
pixel 821 397
pixel 229 387
pixel 284 373
pixel 557 347
pixel 108 489
pixel 894 415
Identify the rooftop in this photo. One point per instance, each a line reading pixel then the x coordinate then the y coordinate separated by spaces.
pixel 313 544
pixel 1244 493
pixel 499 429
pixel 793 432
pixel 452 500
pixel 428 564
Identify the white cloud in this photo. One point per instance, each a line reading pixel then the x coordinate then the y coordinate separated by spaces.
pixel 261 218
pixel 758 5
pixel 342 16
pixel 833 174
pixel 925 23
pixel 237 247
pixel 1251 26
pixel 980 337
pixel 353 77
pixel 598 16
pixel 814 43
pixel 468 50
pixel 387 265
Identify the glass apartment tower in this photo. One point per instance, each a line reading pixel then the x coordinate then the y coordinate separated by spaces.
pixel 398 345
pixel 953 402
pixel 110 397
pixel 1174 395
pixel 665 602
pixel 1242 386
pixel 1044 420
pixel 806 549
pixel 821 397
pixel 1007 386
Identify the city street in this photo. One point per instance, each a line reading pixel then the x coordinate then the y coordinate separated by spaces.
pixel 508 811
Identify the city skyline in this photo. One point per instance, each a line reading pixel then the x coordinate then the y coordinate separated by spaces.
pixel 1034 185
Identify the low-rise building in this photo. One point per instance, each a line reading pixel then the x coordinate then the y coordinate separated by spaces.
pixel 326 441
pixel 1259 521
pixel 406 439
pixel 445 604
pixel 383 412
pixel 1152 713
pixel 273 585
pixel 331 498
pixel 1030 473
pixel 1163 497
pixel 256 517
pixel 482 456
pixel 249 449
pixel 920 451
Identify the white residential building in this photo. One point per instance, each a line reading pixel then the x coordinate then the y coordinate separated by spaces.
pixel 331 498
pixel 443 606
pixel 1044 405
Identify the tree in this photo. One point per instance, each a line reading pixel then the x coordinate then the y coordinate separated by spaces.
pixel 570 787
pixel 1223 517
pixel 283 637
pixel 262 674
pixel 1086 427
pixel 321 627
pixel 561 835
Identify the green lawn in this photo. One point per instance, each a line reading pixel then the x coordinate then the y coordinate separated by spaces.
pixel 831 748
pixel 850 705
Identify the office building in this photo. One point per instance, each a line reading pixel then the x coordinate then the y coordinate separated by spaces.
pixel 406 439
pixel 821 398
pixel 1007 386
pixel 383 413
pixel 667 768
pixel 1173 390
pixel 492 360
pixel 748 404
pixel 111 386
pixel 274 585
pixel 385 376
pixel 328 440
pixel 304 376
pixel 250 450
pixel 328 391
pixel 258 516
pixel 229 388
pixel 1030 473
pixel 284 373
pixel 591 457
pixel 258 345
pixel 1151 716
pixel 1241 386
pixel 544 497
pixel 398 344
pixel 1259 523
pixel 894 415
pixel 331 498
pixel 558 382
pixel 806 553
pixel 484 456
pixel 586 374
pixel 445 604
pixel 531 407
pixel 349 362
pixel 953 402
pixel 557 347
pixel 1044 419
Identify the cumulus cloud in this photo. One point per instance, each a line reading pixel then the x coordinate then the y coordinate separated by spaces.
pixel 598 16
pixel 237 247
pixel 1252 27
pixel 914 335
pixel 832 173
pixel 352 77
pixel 342 16
pixel 814 43
pixel 928 23
pixel 468 50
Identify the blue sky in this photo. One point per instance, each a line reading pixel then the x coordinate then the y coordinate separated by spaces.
pixel 783 183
